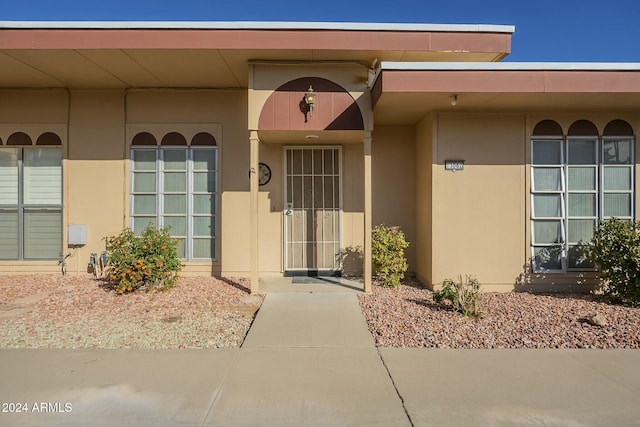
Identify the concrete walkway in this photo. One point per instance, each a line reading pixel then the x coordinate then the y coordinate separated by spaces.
pixel 309 360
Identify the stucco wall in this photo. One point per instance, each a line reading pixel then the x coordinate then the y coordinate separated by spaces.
pixel 479 213
pixel 394 182
pixel 425 145
pixel 96 191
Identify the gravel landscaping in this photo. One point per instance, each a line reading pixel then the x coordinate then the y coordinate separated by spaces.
pixel 55 311
pixel 408 317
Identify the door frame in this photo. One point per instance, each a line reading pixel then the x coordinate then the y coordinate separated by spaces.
pixel 310 271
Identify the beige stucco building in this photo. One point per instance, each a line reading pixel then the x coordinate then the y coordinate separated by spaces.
pixel 273 148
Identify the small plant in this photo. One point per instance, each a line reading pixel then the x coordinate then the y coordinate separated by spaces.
pixel 387 254
pixel 462 295
pixel 146 263
pixel 615 251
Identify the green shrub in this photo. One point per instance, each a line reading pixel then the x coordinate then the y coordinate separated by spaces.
pixel 146 263
pixel 462 296
pixel 387 254
pixel 615 251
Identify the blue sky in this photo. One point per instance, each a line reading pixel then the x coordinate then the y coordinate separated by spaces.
pixel 558 30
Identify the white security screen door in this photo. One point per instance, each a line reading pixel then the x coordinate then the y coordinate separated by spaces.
pixel 312 209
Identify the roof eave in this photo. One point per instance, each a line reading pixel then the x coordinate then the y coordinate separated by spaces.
pixel 260 25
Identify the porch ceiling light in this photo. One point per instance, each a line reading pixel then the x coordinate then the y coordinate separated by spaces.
pixel 454 100
pixel 310 97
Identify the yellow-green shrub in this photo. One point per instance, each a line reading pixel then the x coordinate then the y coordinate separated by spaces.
pixel 387 254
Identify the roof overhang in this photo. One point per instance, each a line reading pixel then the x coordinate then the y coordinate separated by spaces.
pixel 97 55
pixel 406 92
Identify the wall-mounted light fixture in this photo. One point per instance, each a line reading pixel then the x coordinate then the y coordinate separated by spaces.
pixel 454 100
pixel 310 98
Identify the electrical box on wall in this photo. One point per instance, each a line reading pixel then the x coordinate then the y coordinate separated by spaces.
pixel 77 234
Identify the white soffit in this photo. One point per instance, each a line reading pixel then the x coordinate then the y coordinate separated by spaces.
pixel 265 25
pixel 510 66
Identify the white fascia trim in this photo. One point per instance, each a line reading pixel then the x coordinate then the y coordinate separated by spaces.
pixel 265 25
pixel 510 66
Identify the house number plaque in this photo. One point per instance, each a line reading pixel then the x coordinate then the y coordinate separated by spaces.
pixel 453 165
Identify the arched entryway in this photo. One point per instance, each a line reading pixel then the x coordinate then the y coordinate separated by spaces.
pixel 316 142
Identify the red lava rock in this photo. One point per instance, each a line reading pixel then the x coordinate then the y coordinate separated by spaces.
pixel 510 320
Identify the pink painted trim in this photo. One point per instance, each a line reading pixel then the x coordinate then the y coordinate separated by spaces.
pixel 335 108
pixel 508 81
pixel 253 39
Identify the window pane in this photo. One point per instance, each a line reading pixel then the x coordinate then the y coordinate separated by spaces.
pixel 580 230
pixel 582 152
pixel 181 249
pixel 547 179
pixel 8 234
pixel 617 178
pixel 42 234
pixel 144 160
pixel 547 205
pixel 547 258
pixel 546 152
pixel 547 231
pixel 203 226
pixel 203 204
pixel 42 176
pixel 204 182
pixel 204 159
pixel 582 179
pixel 617 152
pixel 575 259
pixel 144 204
pixel 141 222
pixel 8 176
pixel 175 182
pixel 175 204
pixel 177 224
pixel 581 204
pixel 617 205
pixel 204 248
pixel 144 182
pixel 175 159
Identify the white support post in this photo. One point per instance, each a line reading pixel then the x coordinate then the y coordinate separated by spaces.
pixel 367 212
pixel 253 207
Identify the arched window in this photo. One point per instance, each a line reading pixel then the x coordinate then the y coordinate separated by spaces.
pixel 577 180
pixel 19 138
pixel 618 128
pixel 547 128
pixel 48 138
pixel 31 198
pixel 144 138
pixel 173 138
pixel 203 139
pixel 175 184
pixel 582 128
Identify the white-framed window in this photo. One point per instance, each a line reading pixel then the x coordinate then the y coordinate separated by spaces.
pixel 577 180
pixel 30 202
pixel 176 186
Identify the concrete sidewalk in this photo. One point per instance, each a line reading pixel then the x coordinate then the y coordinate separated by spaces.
pixel 309 360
